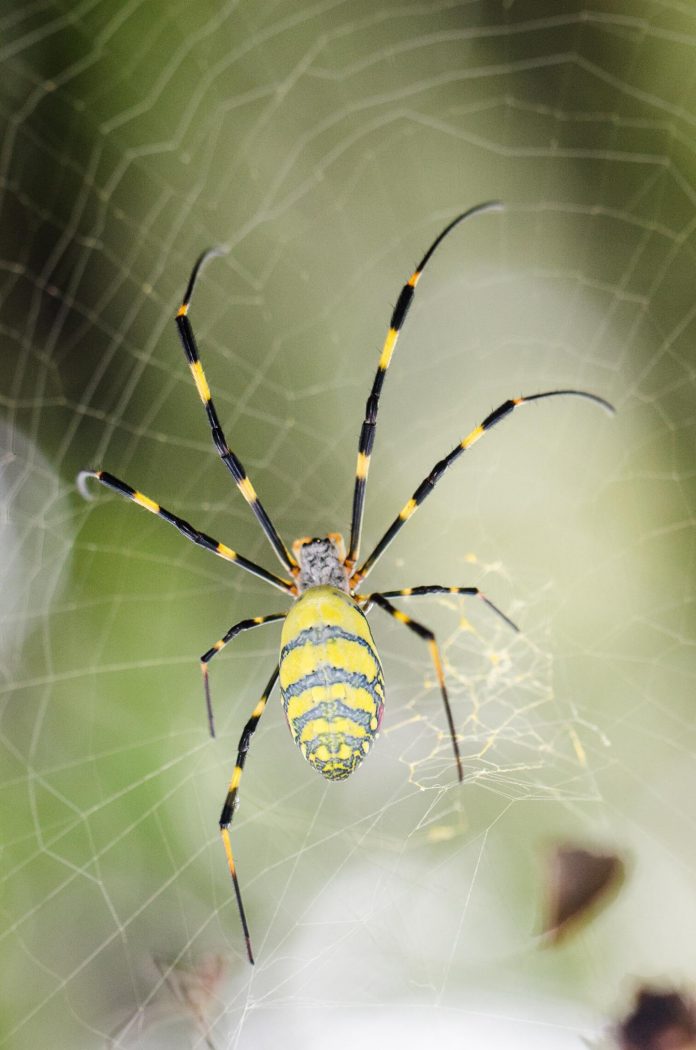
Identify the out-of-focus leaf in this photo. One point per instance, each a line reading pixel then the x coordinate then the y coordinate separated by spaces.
pixel 659 1021
pixel 579 881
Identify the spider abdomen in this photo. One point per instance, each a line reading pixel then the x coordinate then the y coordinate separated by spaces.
pixel 331 680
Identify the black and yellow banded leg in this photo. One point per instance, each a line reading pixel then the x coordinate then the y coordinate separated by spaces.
pixel 227 456
pixel 429 483
pixel 474 592
pixel 231 801
pixel 187 530
pixel 427 634
pixel 243 625
pixel 367 432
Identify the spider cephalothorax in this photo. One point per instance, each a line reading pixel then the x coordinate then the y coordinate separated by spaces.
pixel 321 561
pixel 330 674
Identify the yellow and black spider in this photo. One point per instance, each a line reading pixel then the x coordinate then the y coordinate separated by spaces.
pixel 331 679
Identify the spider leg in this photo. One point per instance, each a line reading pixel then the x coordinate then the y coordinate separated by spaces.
pixel 418 592
pixel 231 802
pixel 427 634
pixel 186 529
pixel 367 432
pixel 429 483
pixel 227 456
pixel 243 625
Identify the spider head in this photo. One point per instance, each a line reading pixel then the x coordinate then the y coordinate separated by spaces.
pixel 321 561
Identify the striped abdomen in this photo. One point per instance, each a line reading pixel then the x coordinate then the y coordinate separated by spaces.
pixel 330 680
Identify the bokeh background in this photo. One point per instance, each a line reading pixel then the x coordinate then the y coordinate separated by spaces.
pixel 327 144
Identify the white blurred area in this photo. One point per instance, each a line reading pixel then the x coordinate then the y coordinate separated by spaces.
pixel 35 543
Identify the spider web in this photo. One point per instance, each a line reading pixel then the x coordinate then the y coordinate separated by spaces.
pixel 327 144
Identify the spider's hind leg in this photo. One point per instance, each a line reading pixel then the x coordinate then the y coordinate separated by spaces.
pixel 231 801
pixel 429 637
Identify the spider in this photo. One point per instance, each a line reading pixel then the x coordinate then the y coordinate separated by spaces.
pixel 331 678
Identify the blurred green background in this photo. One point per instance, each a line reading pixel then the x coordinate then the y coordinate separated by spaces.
pixel 327 144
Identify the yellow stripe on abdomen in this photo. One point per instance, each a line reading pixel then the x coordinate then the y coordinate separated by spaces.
pixel 331 680
pixel 349 653
pixel 301 704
